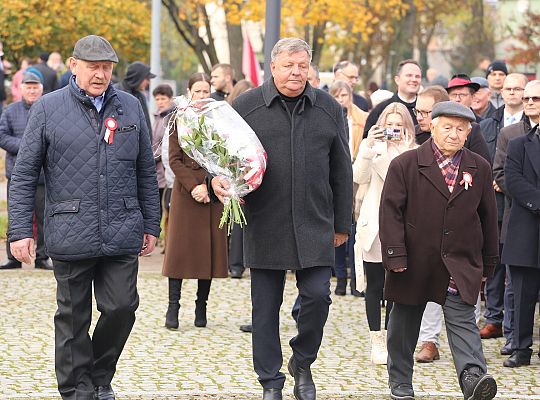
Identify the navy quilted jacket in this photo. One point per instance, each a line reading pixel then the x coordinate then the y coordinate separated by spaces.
pixel 12 125
pixel 101 197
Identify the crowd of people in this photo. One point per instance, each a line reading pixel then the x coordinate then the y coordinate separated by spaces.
pixel 424 201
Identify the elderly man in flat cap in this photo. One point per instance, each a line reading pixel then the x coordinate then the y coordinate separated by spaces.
pixel 438 229
pixel 102 212
pixel 12 125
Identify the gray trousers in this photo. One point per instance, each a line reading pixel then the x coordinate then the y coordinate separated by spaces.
pixel 83 362
pixel 463 338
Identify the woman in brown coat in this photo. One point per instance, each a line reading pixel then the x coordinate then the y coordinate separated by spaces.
pixel 196 247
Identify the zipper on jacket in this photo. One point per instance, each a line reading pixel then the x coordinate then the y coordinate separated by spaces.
pixel 100 119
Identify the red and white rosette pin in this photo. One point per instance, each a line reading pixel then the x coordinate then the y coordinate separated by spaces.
pixel 466 180
pixel 111 125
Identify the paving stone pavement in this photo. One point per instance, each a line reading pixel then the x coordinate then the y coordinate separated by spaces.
pixel 215 362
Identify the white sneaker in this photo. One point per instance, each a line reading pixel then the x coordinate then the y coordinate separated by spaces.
pixel 379 354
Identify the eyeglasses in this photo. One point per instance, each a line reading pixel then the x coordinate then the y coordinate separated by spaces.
pixel 423 114
pixel 349 77
pixel 459 95
pixel 513 89
pixel 533 98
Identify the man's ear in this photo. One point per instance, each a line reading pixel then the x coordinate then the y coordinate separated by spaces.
pixel 72 63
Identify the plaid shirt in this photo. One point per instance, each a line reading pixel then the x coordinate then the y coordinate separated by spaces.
pixel 449 169
pixel 449 166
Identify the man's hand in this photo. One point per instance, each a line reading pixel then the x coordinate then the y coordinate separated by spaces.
pixel 401 269
pixel 496 187
pixel 221 187
pixel 340 238
pixel 23 250
pixel 149 243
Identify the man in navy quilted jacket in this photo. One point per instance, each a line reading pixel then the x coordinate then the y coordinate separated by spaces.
pixel 101 213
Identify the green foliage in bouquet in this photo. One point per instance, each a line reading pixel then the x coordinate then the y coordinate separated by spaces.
pixel 201 136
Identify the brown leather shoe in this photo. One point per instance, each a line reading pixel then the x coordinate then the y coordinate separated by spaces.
pixel 428 353
pixel 491 331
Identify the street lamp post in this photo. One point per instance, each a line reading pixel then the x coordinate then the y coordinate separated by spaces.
pixel 155 56
pixel 271 35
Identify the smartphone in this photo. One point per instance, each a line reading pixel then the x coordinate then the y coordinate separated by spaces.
pixel 392 134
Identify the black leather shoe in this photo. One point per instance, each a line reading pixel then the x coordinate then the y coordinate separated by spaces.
pixel 272 394
pixel 44 264
pixel 477 385
pixel 402 391
pixel 518 359
pixel 506 351
pixel 304 387
pixel 104 393
pixel 246 328
pixel 236 273
pixel 341 287
pixel 11 264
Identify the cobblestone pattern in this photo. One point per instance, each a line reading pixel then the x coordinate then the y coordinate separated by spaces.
pixel 215 362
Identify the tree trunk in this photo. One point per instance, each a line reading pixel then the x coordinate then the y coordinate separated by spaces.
pixel 403 38
pixel 318 41
pixel 234 36
pixel 205 52
pixel 423 43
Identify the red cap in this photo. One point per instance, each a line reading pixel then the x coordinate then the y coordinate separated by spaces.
pixel 462 82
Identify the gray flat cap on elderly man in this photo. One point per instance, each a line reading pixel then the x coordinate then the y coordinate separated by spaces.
pixel 94 48
pixel 30 77
pixel 452 109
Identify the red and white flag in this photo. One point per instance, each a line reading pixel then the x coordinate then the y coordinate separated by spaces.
pixel 250 66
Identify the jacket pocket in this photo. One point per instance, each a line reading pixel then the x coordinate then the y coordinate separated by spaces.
pixel 68 206
pixel 126 143
pixel 130 226
pixel 132 203
pixel 65 232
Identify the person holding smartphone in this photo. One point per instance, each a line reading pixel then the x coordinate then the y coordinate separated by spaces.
pixel 392 135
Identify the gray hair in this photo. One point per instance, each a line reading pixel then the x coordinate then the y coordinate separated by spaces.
pixel 533 83
pixel 435 122
pixel 342 65
pixel 337 86
pixel 289 46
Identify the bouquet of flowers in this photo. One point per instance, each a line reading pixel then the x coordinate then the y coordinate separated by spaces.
pixel 219 140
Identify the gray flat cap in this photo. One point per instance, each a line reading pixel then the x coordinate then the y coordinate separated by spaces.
pixel 481 81
pixel 30 77
pixel 452 109
pixel 94 48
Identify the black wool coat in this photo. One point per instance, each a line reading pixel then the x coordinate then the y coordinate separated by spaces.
pixel 508 133
pixel 306 193
pixel 522 184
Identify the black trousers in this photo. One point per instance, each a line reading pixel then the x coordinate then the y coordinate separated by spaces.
pixel 39 209
pixel 495 292
pixel 375 275
pixel 526 285
pixel 266 297
pixel 83 362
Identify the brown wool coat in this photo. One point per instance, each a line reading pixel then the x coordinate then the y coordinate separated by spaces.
pixel 196 247
pixel 435 233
